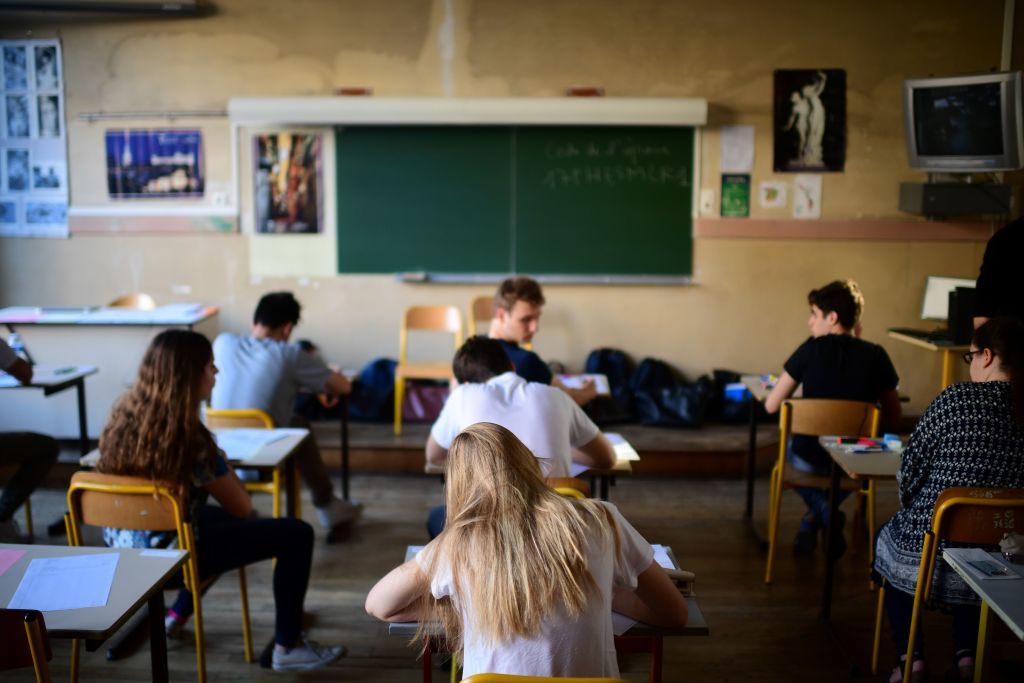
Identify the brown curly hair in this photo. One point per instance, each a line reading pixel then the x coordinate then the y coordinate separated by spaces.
pixel 154 430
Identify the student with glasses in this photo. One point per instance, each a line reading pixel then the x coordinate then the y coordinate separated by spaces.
pixel 971 435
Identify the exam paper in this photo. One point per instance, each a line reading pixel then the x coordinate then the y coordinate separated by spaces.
pixel 242 444
pixel 576 382
pixel 72 582
pixel 661 556
pixel 623 450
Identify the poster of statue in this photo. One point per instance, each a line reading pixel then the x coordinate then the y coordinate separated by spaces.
pixel 810 120
pixel 287 183
pixel 146 164
pixel 33 140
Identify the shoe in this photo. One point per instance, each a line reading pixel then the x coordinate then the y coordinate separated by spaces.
pixel 310 655
pixel 10 532
pixel 918 673
pixel 174 627
pixel 338 512
pixel 806 542
pixel 962 672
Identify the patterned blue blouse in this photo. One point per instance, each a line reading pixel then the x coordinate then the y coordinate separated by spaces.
pixel 966 437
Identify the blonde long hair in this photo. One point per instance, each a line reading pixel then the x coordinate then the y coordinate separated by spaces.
pixel 517 549
pixel 154 430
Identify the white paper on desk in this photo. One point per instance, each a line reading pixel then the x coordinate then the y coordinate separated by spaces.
pixel 737 149
pixel 58 583
pixel 661 556
pixel 576 382
pixel 969 555
pixel 177 312
pixel 621 623
pixel 156 552
pixel 8 381
pixel 623 449
pixel 242 444
pixel 411 551
pixel 576 470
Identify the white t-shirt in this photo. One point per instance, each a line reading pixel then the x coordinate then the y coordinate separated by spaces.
pixel 541 416
pixel 264 374
pixel 584 646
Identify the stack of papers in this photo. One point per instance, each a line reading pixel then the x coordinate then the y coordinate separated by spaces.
pixel 58 583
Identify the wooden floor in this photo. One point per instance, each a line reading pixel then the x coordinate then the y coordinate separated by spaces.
pixel 758 632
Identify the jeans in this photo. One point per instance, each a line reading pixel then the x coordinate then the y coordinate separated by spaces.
pixel 900 605
pixel 808 460
pixel 224 542
pixel 34 454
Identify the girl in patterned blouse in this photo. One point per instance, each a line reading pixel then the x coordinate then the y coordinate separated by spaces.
pixel 971 435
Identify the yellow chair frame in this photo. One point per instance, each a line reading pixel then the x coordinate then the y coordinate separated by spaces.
pixel 138 503
pixel 569 486
pixel 34 651
pixel 222 418
pixel 817 417
pixel 961 515
pixel 429 319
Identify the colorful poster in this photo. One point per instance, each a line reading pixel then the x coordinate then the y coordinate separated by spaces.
pixel 287 183
pixel 148 164
pixel 735 195
pixel 810 120
pixel 33 140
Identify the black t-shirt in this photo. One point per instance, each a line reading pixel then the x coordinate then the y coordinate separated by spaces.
pixel 839 366
pixel 1000 283
pixel 529 366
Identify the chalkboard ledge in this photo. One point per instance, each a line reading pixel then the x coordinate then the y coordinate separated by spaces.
pixel 554 279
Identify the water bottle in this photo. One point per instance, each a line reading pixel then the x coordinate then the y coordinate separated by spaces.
pixel 18 346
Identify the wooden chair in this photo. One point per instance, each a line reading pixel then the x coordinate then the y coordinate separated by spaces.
pixel 962 515
pixel 138 503
pixel 481 310
pixel 508 678
pixel 569 486
pixel 25 643
pixel 254 418
pixel 427 319
pixel 136 300
pixel 817 417
pixel 26 506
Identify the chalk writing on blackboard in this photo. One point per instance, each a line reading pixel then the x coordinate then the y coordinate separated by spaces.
pixel 611 176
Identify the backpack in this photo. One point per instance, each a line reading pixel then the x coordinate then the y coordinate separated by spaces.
pixel 661 399
pixel 373 392
pixel 618 368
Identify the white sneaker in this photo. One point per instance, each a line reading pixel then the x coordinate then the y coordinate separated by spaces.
pixel 310 655
pixel 338 512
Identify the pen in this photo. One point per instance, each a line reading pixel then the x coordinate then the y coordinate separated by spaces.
pixel 64 371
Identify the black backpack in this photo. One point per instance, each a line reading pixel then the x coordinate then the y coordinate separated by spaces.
pixel 373 392
pixel 660 398
pixel 618 368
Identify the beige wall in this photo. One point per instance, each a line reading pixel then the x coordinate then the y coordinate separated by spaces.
pixel 746 310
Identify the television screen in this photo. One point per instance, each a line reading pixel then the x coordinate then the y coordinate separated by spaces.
pixel 961 120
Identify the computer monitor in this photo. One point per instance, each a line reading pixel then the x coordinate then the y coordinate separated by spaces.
pixel 935 305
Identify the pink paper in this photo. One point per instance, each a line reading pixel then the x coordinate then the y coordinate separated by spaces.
pixel 8 558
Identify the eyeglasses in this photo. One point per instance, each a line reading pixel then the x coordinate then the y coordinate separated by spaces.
pixel 969 356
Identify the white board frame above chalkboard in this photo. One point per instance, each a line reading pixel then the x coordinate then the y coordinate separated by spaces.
pixel 598 111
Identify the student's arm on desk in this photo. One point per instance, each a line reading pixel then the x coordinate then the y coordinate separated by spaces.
pixel 436 454
pixel 783 389
pixel 20 370
pixel 656 600
pixel 228 490
pixel 398 595
pixel 597 454
pixel 583 395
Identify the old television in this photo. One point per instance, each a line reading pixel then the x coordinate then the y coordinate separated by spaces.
pixel 964 124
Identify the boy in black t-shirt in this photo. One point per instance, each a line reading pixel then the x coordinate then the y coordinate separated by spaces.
pixel 833 363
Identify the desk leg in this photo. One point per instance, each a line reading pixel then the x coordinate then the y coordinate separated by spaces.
pixel 657 650
pixel 748 513
pixel 604 487
pixel 428 662
pixel 344 447
pixel 158 638
pixel 830 539
pixel 83 430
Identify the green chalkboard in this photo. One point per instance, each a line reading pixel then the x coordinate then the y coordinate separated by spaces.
pixel 545 200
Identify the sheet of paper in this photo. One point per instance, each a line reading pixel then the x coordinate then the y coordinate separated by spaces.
pixel 177 312
pixel 410 552
pixel 621 623
pixel 576 382
pixel 623 449
pixel 73 582
pixel 986 566
pixel 19 314
pixel 242 444
pixel 576 470
pixel 661 556
pixel 154 552
pixel 8 558
pixel 737 149
pixel 7 381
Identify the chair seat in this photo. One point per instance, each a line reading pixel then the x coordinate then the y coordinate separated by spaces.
pixel 424 371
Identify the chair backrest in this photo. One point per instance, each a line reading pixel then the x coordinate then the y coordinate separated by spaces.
pixel 977 515
pixel 25 643
pixel 824 417
pixel 125 503
pixel 222 418
pixel 508 678
pixel 481 310
pixel 137 300
pixel 429 319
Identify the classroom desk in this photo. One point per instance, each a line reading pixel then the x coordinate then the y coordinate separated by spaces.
pixel 275 458
pixel 137 580
pixel 1005 597
pixel 857 466
pixel 949 353
pixel 639 638
pixel 55 379
pixel 111 339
